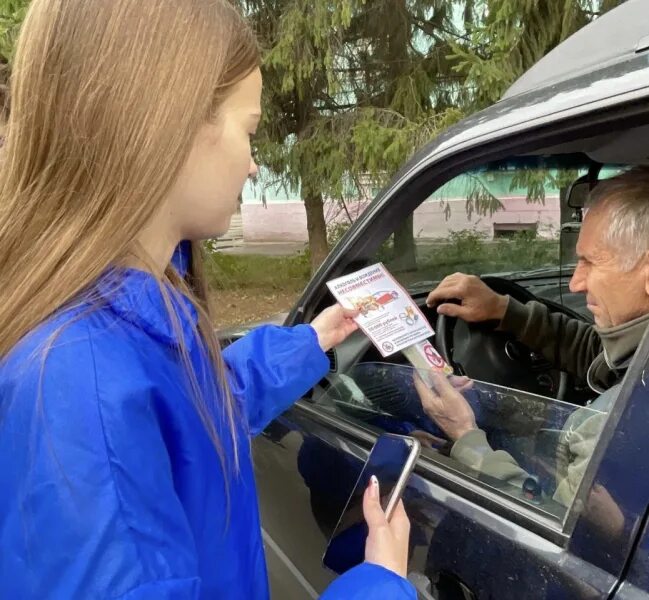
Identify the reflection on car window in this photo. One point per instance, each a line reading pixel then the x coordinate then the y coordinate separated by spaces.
pixel 529 447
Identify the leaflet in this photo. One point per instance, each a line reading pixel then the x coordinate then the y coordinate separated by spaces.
pixel 424 357
pixel 388 315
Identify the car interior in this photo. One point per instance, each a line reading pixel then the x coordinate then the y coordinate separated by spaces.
pixel 529 399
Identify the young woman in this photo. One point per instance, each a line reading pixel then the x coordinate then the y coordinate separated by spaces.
pixel 125 466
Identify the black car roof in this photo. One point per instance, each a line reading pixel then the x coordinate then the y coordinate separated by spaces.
pixel 615 37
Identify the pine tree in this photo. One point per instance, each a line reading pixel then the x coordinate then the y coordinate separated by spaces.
pixel 507 37
pixel 353 88
pixel 12 13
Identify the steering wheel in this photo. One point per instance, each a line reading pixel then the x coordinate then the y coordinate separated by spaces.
pixel 480 352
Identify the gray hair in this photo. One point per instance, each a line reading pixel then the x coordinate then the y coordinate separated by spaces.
pixel 625 197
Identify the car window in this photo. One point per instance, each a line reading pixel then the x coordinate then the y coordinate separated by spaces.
pixel 532 448
pixel 504 220
pixel 536 426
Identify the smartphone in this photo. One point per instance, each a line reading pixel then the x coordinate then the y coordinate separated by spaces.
pixel 391 460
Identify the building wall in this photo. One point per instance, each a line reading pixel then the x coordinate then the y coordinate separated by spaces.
pixel 272 213
pixel 286 222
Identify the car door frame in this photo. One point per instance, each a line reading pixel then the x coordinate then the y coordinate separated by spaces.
pixel 407 191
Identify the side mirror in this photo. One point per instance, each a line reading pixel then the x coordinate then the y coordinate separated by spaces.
pixel 578 193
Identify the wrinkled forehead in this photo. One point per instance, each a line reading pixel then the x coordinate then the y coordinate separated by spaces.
pixel 592 239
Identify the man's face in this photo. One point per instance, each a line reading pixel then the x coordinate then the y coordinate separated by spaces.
pixel 614 296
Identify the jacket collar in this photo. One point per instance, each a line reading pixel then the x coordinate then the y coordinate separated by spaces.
pixel 136 296
pixel 619 345
pixel 182 258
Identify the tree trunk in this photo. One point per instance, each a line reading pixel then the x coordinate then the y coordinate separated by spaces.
pixel 398 40
pixel 405 258
pixel 317 228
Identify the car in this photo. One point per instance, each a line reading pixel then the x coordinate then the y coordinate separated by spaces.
pixel 384 298
pixel 499 196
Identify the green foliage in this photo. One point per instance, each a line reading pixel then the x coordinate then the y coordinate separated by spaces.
pixel 507 37
pixel 469 251
pixel 353 88
pixel 466 250
pixel 465 243
pixel 12 13
pixel 229 271
pixel 336 231
pixel 307 42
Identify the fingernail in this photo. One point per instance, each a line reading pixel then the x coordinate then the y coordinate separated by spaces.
pixel 374 487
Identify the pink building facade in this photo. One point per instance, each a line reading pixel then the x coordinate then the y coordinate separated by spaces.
pixel 286 221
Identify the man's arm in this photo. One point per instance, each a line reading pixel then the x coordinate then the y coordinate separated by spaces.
pixel 569 344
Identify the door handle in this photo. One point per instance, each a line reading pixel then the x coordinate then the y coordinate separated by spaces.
pixel 423 586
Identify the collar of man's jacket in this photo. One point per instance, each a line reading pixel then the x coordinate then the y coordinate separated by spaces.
pixel 619 344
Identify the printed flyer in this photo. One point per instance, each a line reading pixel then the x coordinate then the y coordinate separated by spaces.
pixel 389 317
pixel 424 357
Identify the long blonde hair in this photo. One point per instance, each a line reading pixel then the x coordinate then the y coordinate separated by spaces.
pixel 106 99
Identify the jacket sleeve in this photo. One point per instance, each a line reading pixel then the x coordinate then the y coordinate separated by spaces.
pixel 569 344
pixel 574 451
pixel 368 580
pixel 474 451
pixel 273 367
pixel 88 506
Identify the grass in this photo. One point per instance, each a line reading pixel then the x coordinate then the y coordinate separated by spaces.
pixel 234 272
pixel 464 251
pixel 477 257
pixel 250 288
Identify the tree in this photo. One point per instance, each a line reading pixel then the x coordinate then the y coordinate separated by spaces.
pixel 353 88
pixel 406 73
pixel 299 39
pixel 507 37
pixel 12 13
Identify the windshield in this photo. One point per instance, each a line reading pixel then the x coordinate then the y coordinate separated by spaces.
pixel 511 219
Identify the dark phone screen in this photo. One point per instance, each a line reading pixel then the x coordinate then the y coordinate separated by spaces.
pixel 386 461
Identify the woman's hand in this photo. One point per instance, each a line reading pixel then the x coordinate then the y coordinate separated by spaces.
pixel 333 325
pixel 446 405
pixel 387 542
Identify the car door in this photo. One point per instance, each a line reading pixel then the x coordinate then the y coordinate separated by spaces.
pixel 472 536
pixel 468 540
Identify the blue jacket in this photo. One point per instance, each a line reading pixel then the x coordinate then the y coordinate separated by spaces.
pixel 109 484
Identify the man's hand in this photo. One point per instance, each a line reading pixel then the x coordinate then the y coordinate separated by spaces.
pixel 333 325
pixel 446 406
pixel 604 512
pixel 427 440
pixel 478 302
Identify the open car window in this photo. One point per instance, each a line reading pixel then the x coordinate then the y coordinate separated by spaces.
pixel 532 448
pixel 510 219
pixel 515 224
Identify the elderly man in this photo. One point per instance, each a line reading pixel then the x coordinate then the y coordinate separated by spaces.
pixel 613 272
